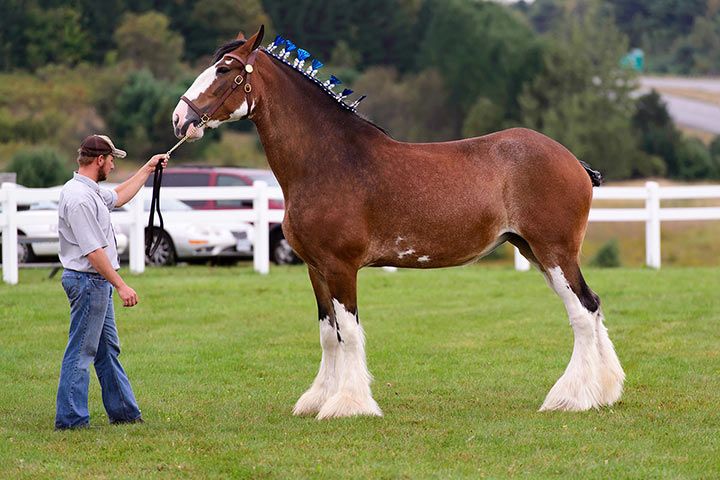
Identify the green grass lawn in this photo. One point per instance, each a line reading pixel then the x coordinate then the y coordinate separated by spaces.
pixel 462 360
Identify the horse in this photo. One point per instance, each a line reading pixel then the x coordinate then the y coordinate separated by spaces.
pixel 355 197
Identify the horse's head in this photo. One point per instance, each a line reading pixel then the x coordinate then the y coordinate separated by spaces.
pixel 224 92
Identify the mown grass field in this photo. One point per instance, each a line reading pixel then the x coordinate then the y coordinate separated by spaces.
pixel 462 359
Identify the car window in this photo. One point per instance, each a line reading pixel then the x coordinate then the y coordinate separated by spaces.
pixel 171 179
pixel 266 177
pixel 232 181
pixel 187 179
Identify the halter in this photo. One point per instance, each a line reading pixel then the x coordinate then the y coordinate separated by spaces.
pixel 152 245
pixel 241 78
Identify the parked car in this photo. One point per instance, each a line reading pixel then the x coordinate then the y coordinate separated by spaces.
pixel 44 239
pixel 187 235
pixel 207 176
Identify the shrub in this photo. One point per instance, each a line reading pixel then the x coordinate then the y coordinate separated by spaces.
pixel 39 167
pixel 607 256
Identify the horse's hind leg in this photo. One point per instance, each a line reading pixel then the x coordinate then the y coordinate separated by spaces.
pixel 327 380
pixel 594 376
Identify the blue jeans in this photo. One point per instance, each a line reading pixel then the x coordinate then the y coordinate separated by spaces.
pixel 93 338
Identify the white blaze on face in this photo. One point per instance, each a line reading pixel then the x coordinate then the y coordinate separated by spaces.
pixel 200 85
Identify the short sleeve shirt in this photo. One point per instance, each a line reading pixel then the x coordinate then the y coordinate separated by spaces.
pixel 84 223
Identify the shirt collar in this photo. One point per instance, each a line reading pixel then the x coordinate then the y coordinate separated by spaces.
pixel 87 181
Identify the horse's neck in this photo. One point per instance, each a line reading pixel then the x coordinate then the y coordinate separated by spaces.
pixel 302 130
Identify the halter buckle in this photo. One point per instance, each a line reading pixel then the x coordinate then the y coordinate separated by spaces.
pixel 239 79
pixel 248 88
pixel 204 119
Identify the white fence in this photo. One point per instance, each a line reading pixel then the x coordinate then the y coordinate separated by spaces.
pixel 651 214
pixel 136 217
pixel 261 216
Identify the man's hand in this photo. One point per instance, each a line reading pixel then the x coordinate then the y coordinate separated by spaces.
pixel 128 295
pixel 160 157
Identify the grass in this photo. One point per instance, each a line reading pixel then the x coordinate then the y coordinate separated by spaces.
pixel 462 359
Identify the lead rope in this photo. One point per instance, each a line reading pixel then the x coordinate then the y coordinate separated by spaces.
pixel 151 242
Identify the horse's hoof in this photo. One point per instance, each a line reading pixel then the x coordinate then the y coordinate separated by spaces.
pixel 344 405
pixel 572 396
pixel 310 403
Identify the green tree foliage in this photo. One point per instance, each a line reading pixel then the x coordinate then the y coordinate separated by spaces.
pixel 484 117
pixel 39 167
pixel 481 49
pixel 582 97
pixel 214 22
pixel 396 100
pixel 383 31
pixel 147 42
pixel 694 161
pixel 140 120
pixel 608 256
pixel 656 131
pixel 33 36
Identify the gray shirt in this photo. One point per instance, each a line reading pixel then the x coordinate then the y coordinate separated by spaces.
pixel 84 223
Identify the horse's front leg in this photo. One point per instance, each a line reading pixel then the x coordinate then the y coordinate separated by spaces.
pixel 343 374
pixel 327 380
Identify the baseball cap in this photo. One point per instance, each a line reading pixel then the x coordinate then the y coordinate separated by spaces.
pixel 95 145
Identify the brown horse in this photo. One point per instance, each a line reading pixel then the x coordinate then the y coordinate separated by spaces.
pixel 355 197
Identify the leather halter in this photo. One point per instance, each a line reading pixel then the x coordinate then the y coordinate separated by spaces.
pixel 244 77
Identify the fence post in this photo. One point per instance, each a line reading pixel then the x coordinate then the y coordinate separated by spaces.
pixel 261 249
pixel 652 225
pixel 9 235
pixel 521 263
pixel 136 242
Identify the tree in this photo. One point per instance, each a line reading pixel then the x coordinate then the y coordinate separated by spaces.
pixel 484 117
pixel 214 22
pixel 147 42
pixel 39 167
pixel 54 36
pixel 141 117
pixel 407 106
pixel 582 97
pixel 480 49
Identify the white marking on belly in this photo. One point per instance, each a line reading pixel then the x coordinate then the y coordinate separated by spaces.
pixel 405 253
pixel 424 258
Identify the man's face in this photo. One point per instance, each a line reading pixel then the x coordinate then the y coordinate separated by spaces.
pixel 107 165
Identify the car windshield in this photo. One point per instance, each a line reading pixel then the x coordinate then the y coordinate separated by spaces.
pixel 266 177
pixel 169 204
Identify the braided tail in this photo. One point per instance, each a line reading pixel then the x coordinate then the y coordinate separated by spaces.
pixel 595 176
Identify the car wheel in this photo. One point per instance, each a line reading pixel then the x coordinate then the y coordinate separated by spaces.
pixel 164 254
pixel 25 253
pixel 281 253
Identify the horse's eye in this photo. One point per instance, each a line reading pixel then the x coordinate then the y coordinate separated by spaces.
pixel 222 70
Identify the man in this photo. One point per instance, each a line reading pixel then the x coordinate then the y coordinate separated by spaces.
pixel 89 254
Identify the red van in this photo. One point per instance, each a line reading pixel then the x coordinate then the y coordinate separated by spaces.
pixel 207 176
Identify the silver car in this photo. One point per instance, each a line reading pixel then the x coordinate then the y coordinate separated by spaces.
pixel 188 235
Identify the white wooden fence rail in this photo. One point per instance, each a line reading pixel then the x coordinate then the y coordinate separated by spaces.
pixel 261 216
pixel 136 217
pixel 652 215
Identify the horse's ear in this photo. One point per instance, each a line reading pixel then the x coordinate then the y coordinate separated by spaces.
pixel 257 38
pixel 240 36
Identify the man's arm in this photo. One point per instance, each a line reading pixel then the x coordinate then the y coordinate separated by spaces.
pixel 129 188
pixel 100 261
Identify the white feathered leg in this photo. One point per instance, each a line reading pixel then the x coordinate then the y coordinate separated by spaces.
pixel 580 387
pixel 353 396
pixel 327 379
pixel 612 375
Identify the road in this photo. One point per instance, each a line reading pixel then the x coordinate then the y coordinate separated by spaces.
pixel 686 112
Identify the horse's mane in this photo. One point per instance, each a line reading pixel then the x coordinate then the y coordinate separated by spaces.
pixel 232 45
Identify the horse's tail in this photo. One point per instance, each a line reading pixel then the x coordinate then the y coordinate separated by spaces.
pixel 595 176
